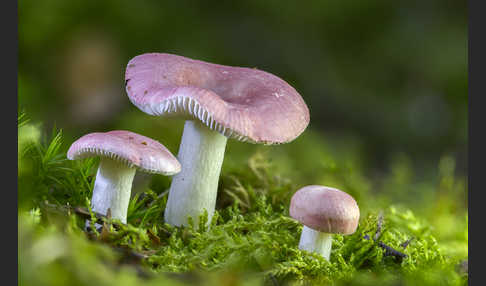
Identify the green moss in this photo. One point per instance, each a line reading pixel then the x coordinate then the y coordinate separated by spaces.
pixel 252 239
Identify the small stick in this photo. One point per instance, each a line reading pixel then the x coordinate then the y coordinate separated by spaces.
pixel 389 251
pixel 379 225
pixel 82 212
pixel 406 243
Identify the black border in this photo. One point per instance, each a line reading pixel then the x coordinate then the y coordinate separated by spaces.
pixel 9 211
pixel 476 157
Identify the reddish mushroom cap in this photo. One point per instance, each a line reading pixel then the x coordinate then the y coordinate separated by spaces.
pixel 129 148
pixel 325 209
pixel 242 103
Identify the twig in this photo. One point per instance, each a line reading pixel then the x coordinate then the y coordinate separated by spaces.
pixel 153 237
pixel 379 225
pixel 406 243
pixel 82 212
pixel 389 251
pixel 132 258
pixel 128 253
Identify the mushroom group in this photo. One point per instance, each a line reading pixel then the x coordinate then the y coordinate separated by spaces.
pixel 217 102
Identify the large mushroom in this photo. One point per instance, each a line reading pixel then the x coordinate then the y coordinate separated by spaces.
pixel 122 153
pixel 217 102
pixel 323 211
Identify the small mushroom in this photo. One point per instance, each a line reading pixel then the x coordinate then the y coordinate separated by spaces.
pixel 122 153
pixel 217 102
pixel 323 211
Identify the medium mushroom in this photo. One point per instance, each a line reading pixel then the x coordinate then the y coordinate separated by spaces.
pixel 217 102
pixel 122 153
pixel 323 211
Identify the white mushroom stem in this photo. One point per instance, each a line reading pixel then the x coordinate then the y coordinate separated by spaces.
pixel 195 188
pixel 315 241
pixel 112 188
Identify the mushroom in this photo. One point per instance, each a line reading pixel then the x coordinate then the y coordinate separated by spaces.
pixel 122 153
pixel 323 211
pixel 217 102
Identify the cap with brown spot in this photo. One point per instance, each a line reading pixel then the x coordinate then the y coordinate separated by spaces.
pixel 325 209
pixel 243 103
pixel 132 149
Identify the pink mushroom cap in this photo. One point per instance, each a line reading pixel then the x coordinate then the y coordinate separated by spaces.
pixel 325 209
pixel 126 147
pixel 242 103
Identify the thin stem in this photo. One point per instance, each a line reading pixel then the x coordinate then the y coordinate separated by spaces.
pixel 195 188
pixel 316 241
pixel 112 188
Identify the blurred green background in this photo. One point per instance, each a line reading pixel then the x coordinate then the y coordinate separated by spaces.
pixel 385 77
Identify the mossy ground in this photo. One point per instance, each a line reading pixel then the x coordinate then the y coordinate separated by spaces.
pixel 252 239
